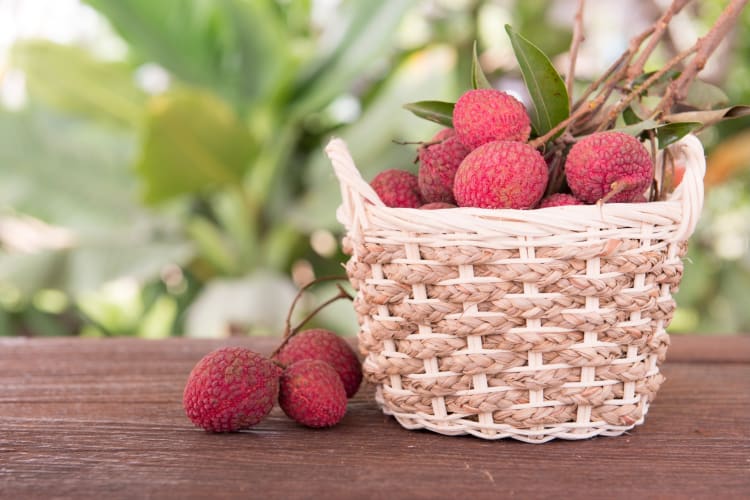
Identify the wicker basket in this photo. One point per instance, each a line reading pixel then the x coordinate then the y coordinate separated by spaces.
pixel 530 324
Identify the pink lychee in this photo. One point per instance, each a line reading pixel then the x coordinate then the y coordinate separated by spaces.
pixel 312 393
pixel 610 165
pixel 558 200
pixel 397 188
pixel 324 345
pixel 438 161
pixel 501 174
pixel 484 115
pixel 231 389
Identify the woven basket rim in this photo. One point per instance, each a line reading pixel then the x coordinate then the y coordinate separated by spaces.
pixel 361 206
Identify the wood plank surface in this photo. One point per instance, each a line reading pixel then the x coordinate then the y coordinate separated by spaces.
pixel 103 419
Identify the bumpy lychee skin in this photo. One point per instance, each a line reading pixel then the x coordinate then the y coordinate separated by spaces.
pixel 435 205
pixel 559 200
pixel 501 174
pixel 438 161
pixel 605 162
pixel 485 115
pixel 397 188
pixel 231 389
pixel 312 393
pixel 325 345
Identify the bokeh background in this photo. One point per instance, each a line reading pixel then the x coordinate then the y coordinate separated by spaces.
pixel 161 165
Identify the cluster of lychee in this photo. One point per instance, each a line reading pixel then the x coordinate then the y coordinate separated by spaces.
pixel 311 376
pixel 486 161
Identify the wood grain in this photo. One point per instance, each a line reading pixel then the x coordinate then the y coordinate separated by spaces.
pixel 103 419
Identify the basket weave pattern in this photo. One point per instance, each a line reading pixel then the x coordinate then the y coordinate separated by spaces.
pixel 535 324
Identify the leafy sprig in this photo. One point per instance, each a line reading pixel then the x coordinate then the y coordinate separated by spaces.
pixel 615 100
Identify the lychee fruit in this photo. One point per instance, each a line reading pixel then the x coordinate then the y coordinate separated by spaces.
pixel 397 188
pixel 559 200
pixel 485 115
pixel 435 205
pixel 501 174
pixel 312 393
pixel 231 389
pixel 324 345
pixel 609 166
pixel 438 161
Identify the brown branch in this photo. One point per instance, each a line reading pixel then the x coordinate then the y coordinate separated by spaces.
pixel 574 46
pixel 618 69
pixel 621 74
pixel 628 98
pixel 703 49
pixel 660 27
pixel 578 113
pixel 597 83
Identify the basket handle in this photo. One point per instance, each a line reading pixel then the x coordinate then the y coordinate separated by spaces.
pixel 690 190
pixel 355 192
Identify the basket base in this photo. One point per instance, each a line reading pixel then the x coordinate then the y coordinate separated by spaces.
pixel 535 435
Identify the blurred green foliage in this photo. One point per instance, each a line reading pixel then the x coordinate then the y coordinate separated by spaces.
pixel 184 208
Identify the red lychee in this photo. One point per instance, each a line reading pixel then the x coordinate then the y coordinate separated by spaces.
pixel 397 188
pixel 613 166
pixel 324 345
pixel 312 393
pixel 438 161
pixel 230 389
pixel 484 115
pixel 501 174
pixel 558 200
pixel 437 205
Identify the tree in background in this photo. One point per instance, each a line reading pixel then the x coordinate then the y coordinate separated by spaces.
pixel 180 186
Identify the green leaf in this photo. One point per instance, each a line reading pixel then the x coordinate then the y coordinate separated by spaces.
pixel 710 117
pixel 666 134
pixel 73 81
pixel 636 129
pixel 630 117
pixel 478 78
pixel 238 48
pixel 193 142
pixel 673 132
pixel 71 174
pixel 213 246
pixel 436 111
pixel 704 95
pixel 257 54
pixel 56 169
pixel 169 32
pixel 368 36
pixel 546 87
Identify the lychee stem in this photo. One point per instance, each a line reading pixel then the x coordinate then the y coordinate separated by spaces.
pixel 617 187
pixel 343 294
pixel 574 46
pixel 556 173
pixel 290 332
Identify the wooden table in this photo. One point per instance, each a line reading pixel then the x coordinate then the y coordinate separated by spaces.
pixel 104 419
